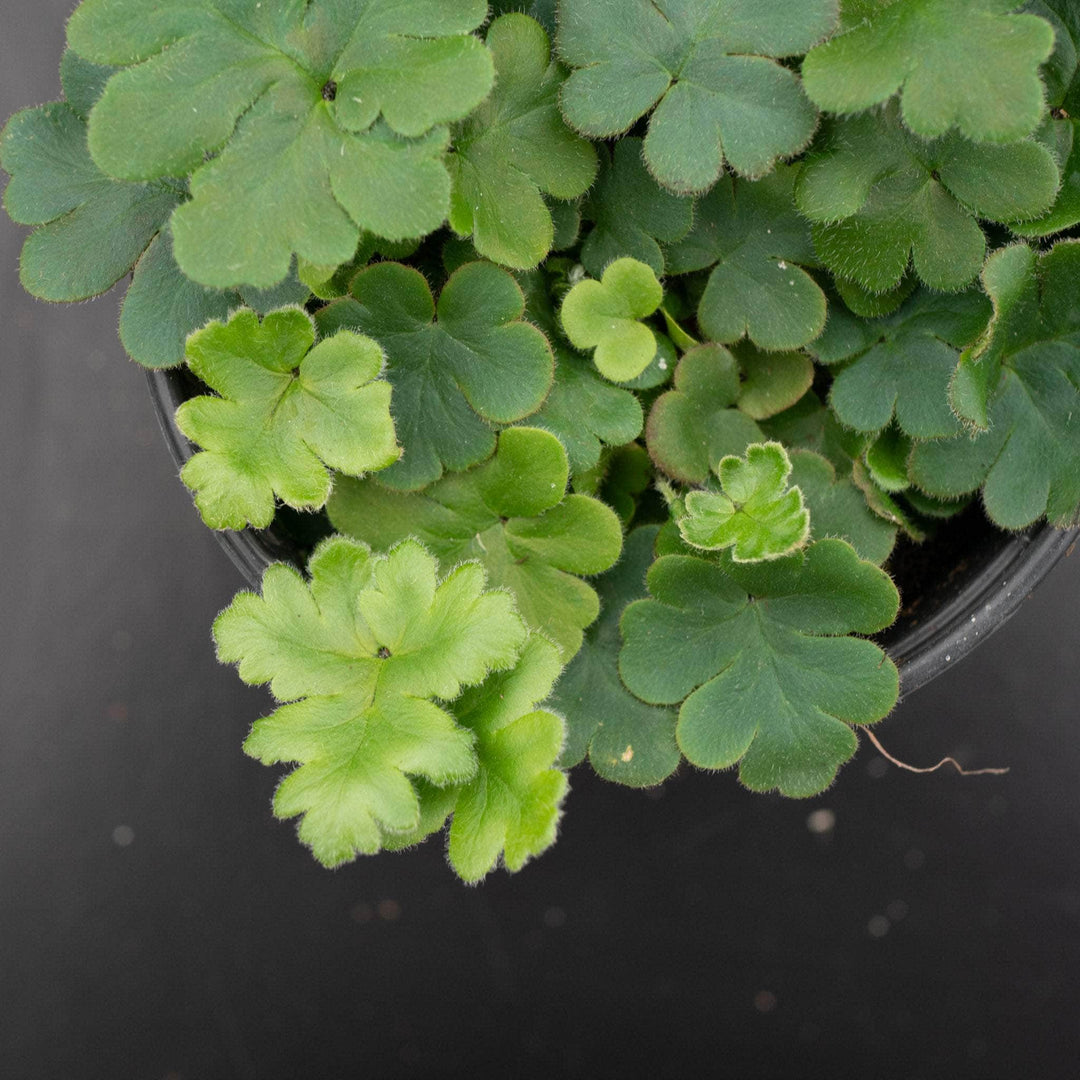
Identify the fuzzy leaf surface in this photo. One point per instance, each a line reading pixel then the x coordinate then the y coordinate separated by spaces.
pixel 705 70
pixel 91 229
pixel 606 316
pixel 631 214
pixel 772 381
pixel 515 147
pixel 363 653
pixel 1023 379
pixel 626 741
pixel 457 369
pixel 882 198
pixel 755 513
pixel 509 811
pixel 761 658
pixel 757 244
pixel 513 515
pixel 906 370
pixel 968 64
pixel 319 118
pixel 586 412
pixel 286 411
pixel 694 425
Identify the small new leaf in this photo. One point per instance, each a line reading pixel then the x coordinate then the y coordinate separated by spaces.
pixel 882 198
pixel 755 513
pixel 299 124
pixel 287 410
pixel 512 514
pixel 514 147
pixel 705 69
pixel 963 63
pixel 756 241
pixel 457 370
pixel 363 653
pixel 625 740
pixel 760 658
pixel 606 315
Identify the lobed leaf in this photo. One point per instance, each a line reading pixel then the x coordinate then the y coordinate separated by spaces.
pixel 625 740
pixel 515 147
pixel 513 515
pixel 882 198
pixel 760 658
pixel 1022 382
pixel 360 653
pixel 754 513
pixel 458 369
pixel 606 316
pixel 631 214
pixel 757 243
pixel 286 411
pixel 705 70
pixel 300 124
pixel 967 64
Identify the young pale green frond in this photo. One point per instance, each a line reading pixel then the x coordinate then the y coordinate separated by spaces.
pixel 967 64
pixel 514 149
pixel 513 515
pixel 706 73
pixel 299 124
pixel 606 316
pixel 760 658
pixel 365 653
pixel 755 513
pixel 457 369
pixel 286 411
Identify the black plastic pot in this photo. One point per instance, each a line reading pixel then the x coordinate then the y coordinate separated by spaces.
pixel 957 589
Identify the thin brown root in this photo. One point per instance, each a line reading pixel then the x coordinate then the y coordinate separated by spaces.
pixel 934 768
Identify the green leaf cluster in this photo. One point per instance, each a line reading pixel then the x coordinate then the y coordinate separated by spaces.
pixel 620 341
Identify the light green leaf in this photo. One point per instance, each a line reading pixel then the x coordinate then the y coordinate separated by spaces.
pixel 758 657
pixel 510 810
pixel 706 66
pixel 364 653
pixel 586 412
pixel 882 198
pixel 754 513
pixel 605 315
pixel 512 514
pixel 300 124
pixel 514 147
pixel 287 411
pixel 757 243
pixel 886 458
pixel 692 427
pixel 625 740
pixel 962 63
pixel 1027 371
pixel 457 370
pixel 631 213
pixel 91 228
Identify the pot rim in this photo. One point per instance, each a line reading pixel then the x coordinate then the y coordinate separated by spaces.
pixel 921 651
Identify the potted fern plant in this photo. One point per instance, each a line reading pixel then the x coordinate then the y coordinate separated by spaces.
pixel 569 380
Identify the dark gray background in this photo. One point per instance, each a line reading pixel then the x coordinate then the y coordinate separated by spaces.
pixel 155 922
